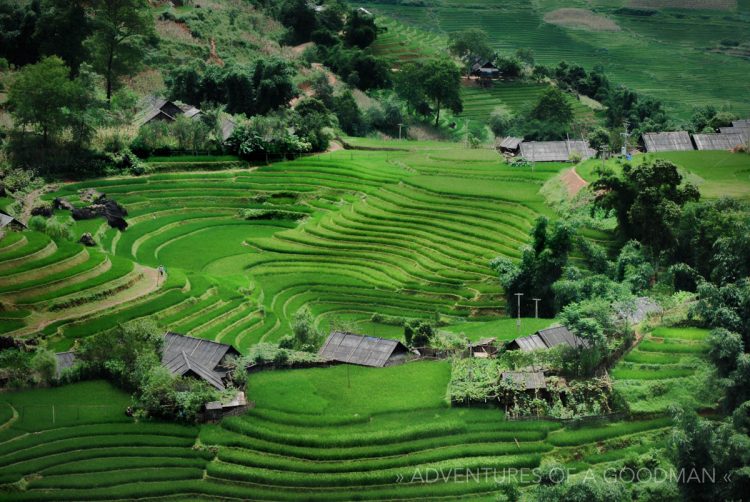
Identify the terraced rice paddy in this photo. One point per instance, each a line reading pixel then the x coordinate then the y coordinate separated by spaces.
pixel 407 233
pixel 671 55
pixel 668 366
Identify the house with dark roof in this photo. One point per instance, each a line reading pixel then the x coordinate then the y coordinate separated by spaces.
pixel 485 69
pixel 509 144
pixel 7 221
pixel 363 350
pixel 198 358
pixel 546 339
pixel 160 109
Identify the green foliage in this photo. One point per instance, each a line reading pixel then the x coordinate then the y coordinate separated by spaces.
pixel 470 46
pixel 437 81
pixel 305 336
pixel 54 228
pixel 647 200
pixel 360 30
pixel 120 29
pixel 260 136
pixel 24 368
pixel 725 347
pixel 541 265
pixel 418 333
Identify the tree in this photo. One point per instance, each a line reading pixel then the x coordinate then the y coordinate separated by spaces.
pixel 526 55
pixel 553 107
pixel 360 30
pixel 541 265
pixel 272 80
pixel 598 139
pixel 39 96
pixel 724 348
pixel 470 46
pixel 500 122
pixel 647 200
pixel 690 446
pixel 299 18
pixel 305 335
pixel 418 333
pixel 18 22
pixel 120 28
pixel 61 30
pixel 350 116
pixel 442 85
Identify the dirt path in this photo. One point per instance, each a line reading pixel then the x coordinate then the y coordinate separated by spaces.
pixel 28 204
pixel 573 181
pixel 334 146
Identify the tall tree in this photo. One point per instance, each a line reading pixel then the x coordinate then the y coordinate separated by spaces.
pixel 360 30
pixel 116 45
pixel 442 85
pixel 62 28
pixel 17 26
pixel 647 200
pixel 470 45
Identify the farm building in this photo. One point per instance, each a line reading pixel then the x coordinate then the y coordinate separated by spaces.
pixel 741 123
pixel 216 410
pixel 718 141
pixel 189 356
pixel 510 145
pixel 530 380
pixel 555 151
pixel 485 69
pixel 363 350
pixel 65 360
pixel 744 131
pixel 667 141
pixel 484 348
pixel 166 110
pixel 546 339
pixel 7 221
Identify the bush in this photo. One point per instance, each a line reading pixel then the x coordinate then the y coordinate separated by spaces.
pixel 56 229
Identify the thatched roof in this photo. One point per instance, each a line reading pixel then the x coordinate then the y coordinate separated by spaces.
pixel 184 355
pixel 718 141
pixel 359 349
pixel 531 380
pixel 510 143
pixel 547 338
pixel 667 141
pixel 555 151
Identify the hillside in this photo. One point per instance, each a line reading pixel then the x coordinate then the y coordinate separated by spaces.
pixel 684 57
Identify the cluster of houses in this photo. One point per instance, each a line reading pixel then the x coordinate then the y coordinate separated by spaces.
pixel 728 138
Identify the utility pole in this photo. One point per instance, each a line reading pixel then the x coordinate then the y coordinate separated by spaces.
pixel 518 312
pixel 605 151
pixel 536 307
pixel 399 130
pixel 625 135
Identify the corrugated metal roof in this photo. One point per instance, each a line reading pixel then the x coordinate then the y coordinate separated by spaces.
pixel 555 151
pixel 741 123
pixel 65 360
pixel 559 335
pixel 530 343
pixel 358 349
pixel 667 141
pixel 718 141
pixel 744 131
pixel 183 354
pixel 510 142
pixel 530 380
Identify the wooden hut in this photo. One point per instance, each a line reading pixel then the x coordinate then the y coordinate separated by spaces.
pixel 195 357
pixel 510 145
pixel 484 348
pixel 555 151
pixel 363 350
pixel 678 141
pixel 159 109
pixel 9 222
pixel 718 141
pixel 546 339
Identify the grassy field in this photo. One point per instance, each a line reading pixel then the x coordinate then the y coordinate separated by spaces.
pixel 407 233
pixel 674 55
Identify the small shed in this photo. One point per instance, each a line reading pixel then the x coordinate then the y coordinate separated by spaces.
pixel 530 380
pixel 484 347
pixel 7 221
pixel 216 410
pixel 189 356
pixel 555 151
pixel 485 69
pixel 65 360
pixel 718 141
pixel 546 339
pixel 510 145
pixel 677 141
pixel 363 350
